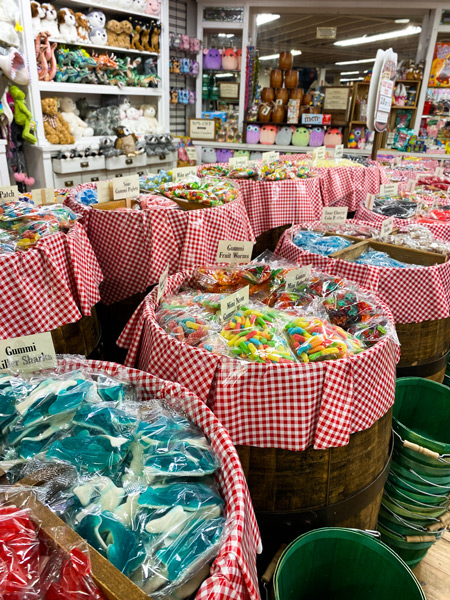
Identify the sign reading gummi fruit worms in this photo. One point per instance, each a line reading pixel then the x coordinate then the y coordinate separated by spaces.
pixel 233 253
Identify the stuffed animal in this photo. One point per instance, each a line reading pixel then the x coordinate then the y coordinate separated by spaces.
pixel 123 107
pixel 229 60
pixel 148 123
pixel 195 45
pixel 154 37
pixel 354 138
pixel 139 5
pixel 37 13
pixel 300 137
pixel 136 37
pixel 333 137
pixel 124 37
pixel 176 41
pixel 191 97
pixel 113 30
pixel 268 134
pixel 78 128
pixel 253 134
pixel 50 21
pixel 173 96
pixel 209 155
pixel 82 27
pixel 239 58
pixel 22 116
pixel 316 136
pixel 56 129
pixel 9 15
pixel 145 39
pixel 284 135
pixel 131 120
pixel 153 8
pixel 212 59
pixel 104 120
pixel 194 68
pixel 185 64
pixel 96 18
pixel 223 155
pixel 185 45
pixel 176 66
pixel 67 24
pixel 126 141
pixel 98 36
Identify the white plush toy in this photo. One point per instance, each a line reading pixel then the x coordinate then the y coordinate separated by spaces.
pixel 37 13
pixel 78 128
pixel 67 25
pixel 96 18
pixel 131 120
pixel 125 4
pixel 123 107
pixel 49 22
pixel 148 123
pixel 8 16
pixel 139 6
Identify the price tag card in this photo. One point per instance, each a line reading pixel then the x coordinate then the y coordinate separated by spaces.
pixel 233 302
pixel 183 172
pixel 104 191
pixel 370 200
pixel 389 189
pixel 296 277
pixel 439 172
pixel 338 151
pixel 126 187
pixel 43 196
pixel 233 253
pixel 191 153
pixel 269 157
pixel 162 284
pixel 334 214
pixel 238 161
pixel 420 207
pixel 411 185
pixel 319 153
pixel 9 193
pixel 386 227
pixel 28 353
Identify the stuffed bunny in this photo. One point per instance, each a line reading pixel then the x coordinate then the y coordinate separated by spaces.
pixel 78 128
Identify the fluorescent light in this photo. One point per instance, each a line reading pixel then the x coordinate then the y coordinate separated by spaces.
pixel 264 18
pixel 353 79
pixel 224 75
pixel 296 52
pixel 356 62
pixel 369 39
pixel 273 56
pixel 225 35
pixel 350 73
pixel 401 20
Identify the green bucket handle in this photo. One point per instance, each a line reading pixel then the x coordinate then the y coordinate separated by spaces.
pixel 410 485
pixel 412 539
pixel 412 513
pixel 425 480
pixel 422 450
pixel 408 524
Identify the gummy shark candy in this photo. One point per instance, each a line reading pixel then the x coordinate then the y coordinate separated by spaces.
pixel 190 496
pixel 105 419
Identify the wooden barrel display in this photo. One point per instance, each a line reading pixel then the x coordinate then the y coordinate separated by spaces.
pixel 293 492
pixel 82 337
pixel 424 349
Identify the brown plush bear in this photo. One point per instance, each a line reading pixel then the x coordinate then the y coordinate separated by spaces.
pixel 113 30
pixel 124 38
pixel 56 129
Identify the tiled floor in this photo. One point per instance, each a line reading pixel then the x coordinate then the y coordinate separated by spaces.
pixel 433 571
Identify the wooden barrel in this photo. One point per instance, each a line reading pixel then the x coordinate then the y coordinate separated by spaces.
pixel 82 337
pixel 269 240
pixel 424 349
pixel 293 492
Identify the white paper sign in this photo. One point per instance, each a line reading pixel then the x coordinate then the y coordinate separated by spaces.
pixel 237 161
pixel 183 172
pixel 28 353
pixel 126 187
pixel 104 191
pixel 370 200
pixel 389 189
pixel 334 214
pixel 191 153
pixel 296 277
pixel 43 196
pixel 386 227
pixel 232 253
pixel 233 302
pixel 439 172
pixel 420 206
pixel 9 193
pixel 338 151
pixel 411 185
pixel 162 284
pixel 319 153
pixel 269 157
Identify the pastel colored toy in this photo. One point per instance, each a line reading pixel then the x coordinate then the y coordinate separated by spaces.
pixel 223 155
pixel 300 137
pixel 316 137
pixel 268 134
pixel 185 45
pixel 333 137
pixel 229 60
pixel 212 59
pixel 253 133
pixel 209 155
pixel 255 155
pixel 193 68
pixel 284 135
pixel 195 45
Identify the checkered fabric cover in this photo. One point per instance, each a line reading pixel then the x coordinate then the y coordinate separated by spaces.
pixel 233 574
pixel 48 286
pixel 413 294
pixel 439 229
pixel 282 406
pixel 133 247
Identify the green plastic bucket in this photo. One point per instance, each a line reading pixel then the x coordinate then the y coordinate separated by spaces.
pixel 424 463
pixel 433 483
pixel 419 498
pixel 417 487
pixel 398 541
pixel 342 564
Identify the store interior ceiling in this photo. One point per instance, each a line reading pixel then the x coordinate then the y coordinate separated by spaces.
pixel 298 32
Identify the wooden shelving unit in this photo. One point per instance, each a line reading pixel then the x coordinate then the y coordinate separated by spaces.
pixel 360 90
pixel 413 108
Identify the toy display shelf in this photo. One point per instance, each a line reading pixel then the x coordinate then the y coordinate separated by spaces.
pixel 99 47
pixel 432 155
pixel 92 88
pixel 108 8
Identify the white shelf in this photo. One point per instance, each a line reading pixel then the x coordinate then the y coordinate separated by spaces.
pixel 273 147
pixel 90 88
pixel 98 47
pixel 431 155
pixel 107 8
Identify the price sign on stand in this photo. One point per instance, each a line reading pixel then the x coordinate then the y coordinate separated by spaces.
pixel 439 172
pixel 386 227
pixel 183 172
pixel 43 196
pixel 233 302
pixel 104 191
pixel 411 185
pixel 319 153
pixel 269 157
pixel 336 215
pixel 9 193
pixel 191 153
pixel 296 277
pixel 238 161
pixel 370 200
pixel 126 187
pixel 233 253
pixel 338 151
pixel 162 284
pixel 27 353
pixel 389 189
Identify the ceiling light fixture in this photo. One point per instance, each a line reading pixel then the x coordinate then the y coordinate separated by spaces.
pixel 402 20
pixel 225 35
pixel 369 39
pixel 353 79
pixel 296 52
pixel 274 56
pixel 356 62
pixel 222 75
pixel 350 73
pixel 264 18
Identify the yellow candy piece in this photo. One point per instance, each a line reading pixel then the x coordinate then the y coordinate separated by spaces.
pixel 304 357
pixel 252 348
pixel 231 325
pixel 273 357
pixel 192 325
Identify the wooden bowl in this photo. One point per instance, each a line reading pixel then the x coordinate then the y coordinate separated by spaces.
pixel 265 112
pixel 291 79
pixel 285 61
pixel 268 94
pixel 276 78
pixel 282 94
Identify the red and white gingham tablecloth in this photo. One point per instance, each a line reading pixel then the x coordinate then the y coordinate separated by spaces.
pixel 133 247
pixel 290 406
pixel 233 573
pixel 48 286
pixel 413 294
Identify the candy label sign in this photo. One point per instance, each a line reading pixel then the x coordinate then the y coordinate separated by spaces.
pixel 439 172
pixel 296 277
pixel 104 191
pixel 233 302
pixel 234 252
pixel 389 189
pixel 9 193
pixel 411 185
pixel 386 227
pixel 126 187
pixel 338 151
pixel 370 199
pixel 334 214
pixel 183 172
pixel 43 196
pixel 319 153
pixel 238 161
pixel 191 153
pixel 162 284
pixel 27 353
pixel 269 157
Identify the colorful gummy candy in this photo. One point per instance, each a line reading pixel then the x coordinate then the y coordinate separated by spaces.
pixel 208 191
pixel 183 326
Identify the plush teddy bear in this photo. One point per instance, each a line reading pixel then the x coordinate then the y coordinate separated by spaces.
pixel 22 115
pixel 55 127
pixel 82 27
pixel 67 24
pixel 126 141
pixel 153 8
pixel 50 21
pixel 124 37
pixel 113 29
pixel 148 123
pixel 9 13
pixel 131 120
pixel 78 128
pixel 37 13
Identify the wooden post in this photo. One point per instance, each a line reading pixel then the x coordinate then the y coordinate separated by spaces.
pixel 376 145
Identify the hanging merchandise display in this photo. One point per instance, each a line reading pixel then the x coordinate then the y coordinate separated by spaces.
pixel 381 90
